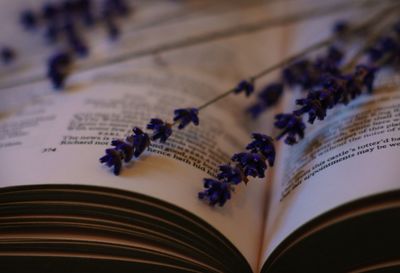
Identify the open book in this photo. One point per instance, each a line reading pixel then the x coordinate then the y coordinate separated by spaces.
pixel 331 204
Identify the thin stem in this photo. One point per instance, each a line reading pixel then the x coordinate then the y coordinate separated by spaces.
pixel 304 52
pixel 217 98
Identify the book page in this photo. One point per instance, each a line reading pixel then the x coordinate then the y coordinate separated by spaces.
pixel 48 137
pixel 58 137
pixel 351 155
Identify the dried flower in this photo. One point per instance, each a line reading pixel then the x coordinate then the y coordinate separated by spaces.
pixel 134 145
pixel 87 14
pixel 113 158
pixel 300 73
pixel 268 97
pixel 186 116
pixel 264 145
pixel 386 49
pixel 7 55
pixel 140 141
pixel 62 23
pixel 125 147
pixel 312 105
pixel 161 129
pixel 253 164
pixel 118 7
pixel 326 82
pixel 230 174
pixel 49 11
pixel 245 86
pixel 57 69
pixel 28 19
pixel 293 127
pixel 341 27
pixel 328 63
pixel 216 192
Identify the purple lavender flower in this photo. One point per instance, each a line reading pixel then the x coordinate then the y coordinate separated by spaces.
pixel 264 145
pixel 120 7
pixel 216 192
pixel 125 148
pixel 186 116
pixel 328 63
pixel 161 129
pixel 134 145
pixel 49 11
pixel 57 69
pixel 341 27
pixel 334 86
pixel 293 127
pixel 268 97
pixel 253 164
pixel 300 73
pixel 334 54
pixel 140 141
pixel 111 9
pixel 387 49
pixel 86 12
pixel 245 86
pixel 60 59
pixel 28 19
pixel 313 105
pixel 7 55
pixel 113 158
pixel 230 174
pixel 68 8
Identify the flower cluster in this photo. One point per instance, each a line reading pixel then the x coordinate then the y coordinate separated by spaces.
pixel 58 68
pixel 135 144
pixel 339 87
pixel 386 50
pixel 254 162
pixel 245 86
pixel 65 22
pixel 327 85
pixel 305 74
pixel 7 55
pixel 325 79
pixel 267 97
pixel 332 90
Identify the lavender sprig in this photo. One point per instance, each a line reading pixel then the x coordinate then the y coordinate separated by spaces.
pixel 332 87
pixel 135 144
pixel 254 162
pixel 66 22
pixel 336 87
pixel 7 55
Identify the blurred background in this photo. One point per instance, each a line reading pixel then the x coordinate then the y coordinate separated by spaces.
pixel 95 33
